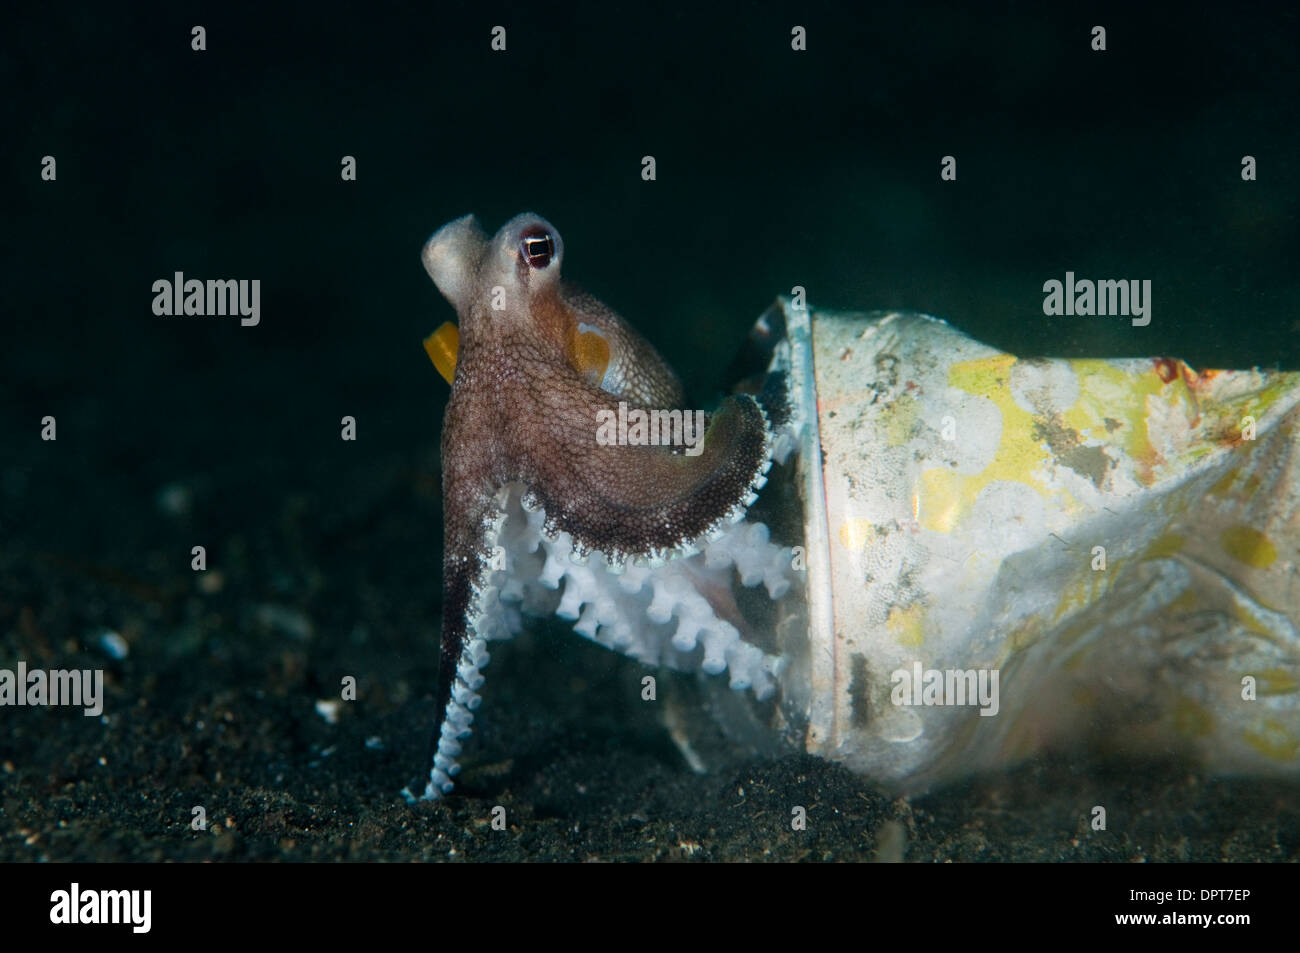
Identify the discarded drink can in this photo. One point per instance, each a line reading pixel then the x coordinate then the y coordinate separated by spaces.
pixel 1005 555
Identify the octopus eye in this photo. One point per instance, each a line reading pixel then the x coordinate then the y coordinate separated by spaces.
pixel 537 246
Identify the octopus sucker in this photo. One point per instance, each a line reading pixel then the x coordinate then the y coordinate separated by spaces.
pixel 527 475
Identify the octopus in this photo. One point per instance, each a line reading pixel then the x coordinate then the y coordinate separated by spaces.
pixel 538 366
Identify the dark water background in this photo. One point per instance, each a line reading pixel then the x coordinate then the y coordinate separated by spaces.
pixel 774 168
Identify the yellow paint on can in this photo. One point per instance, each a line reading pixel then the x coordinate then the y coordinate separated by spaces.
pixel 1273 740
pixel 1276 681
pixel 907 624
pixel 1170 544
pixel 855 532
pixel 1248 545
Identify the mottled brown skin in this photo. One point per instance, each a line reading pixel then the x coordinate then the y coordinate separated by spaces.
pixel 523 407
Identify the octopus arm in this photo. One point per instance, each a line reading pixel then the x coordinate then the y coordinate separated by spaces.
pixel 462 654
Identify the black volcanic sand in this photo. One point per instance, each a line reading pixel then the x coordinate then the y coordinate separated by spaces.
pixel 215 706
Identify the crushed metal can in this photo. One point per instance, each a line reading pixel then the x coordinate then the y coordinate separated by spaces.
pixel 1008 555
